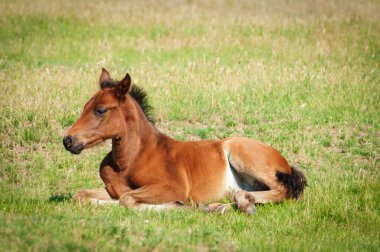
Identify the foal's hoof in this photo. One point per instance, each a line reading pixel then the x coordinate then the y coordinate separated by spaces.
pixel 127 200
pixel 218 208
pixel 245 202
pixel 251 209
pixel 80 197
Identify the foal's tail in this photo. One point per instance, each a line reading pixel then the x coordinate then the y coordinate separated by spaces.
pixel 295 182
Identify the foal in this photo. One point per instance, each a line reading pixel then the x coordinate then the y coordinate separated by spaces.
pixel 149 170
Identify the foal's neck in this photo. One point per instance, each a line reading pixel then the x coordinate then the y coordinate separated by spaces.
pixel 138 135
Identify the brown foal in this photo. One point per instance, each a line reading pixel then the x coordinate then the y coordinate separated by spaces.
pixel 149 170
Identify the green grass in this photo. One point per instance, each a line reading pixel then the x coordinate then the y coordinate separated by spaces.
pixel 302 76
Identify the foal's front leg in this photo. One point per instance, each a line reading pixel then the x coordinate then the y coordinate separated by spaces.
pixel 95 196
pixel 102 195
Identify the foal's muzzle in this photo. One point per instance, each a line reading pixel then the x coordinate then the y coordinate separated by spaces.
pixel 70 144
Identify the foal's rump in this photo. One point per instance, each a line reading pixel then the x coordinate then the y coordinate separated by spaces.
pixel 261 170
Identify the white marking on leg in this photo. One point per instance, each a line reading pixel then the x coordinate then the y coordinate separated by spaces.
pixel 152 207
pixel 104 202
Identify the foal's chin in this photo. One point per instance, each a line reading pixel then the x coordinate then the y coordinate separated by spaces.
pixel 77 149
pixel 81 146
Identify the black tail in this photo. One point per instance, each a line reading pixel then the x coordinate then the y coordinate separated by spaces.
pixel 295 182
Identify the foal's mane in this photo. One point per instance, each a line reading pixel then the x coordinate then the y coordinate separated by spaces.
pixel 139 95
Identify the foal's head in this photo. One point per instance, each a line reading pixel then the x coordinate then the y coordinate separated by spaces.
pixel 102 116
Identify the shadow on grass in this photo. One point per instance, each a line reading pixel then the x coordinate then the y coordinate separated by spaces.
pixel 60 198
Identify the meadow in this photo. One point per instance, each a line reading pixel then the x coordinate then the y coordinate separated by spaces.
pixel 302 76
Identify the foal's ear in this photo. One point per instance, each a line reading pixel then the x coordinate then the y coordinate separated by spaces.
pixel 123 87
pixel 104 77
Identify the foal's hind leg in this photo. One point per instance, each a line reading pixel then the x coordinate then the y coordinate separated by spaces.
pixel 95 196
pixel 258 164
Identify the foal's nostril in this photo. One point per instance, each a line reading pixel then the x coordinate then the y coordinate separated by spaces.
pixel 68 141
pixel 71 144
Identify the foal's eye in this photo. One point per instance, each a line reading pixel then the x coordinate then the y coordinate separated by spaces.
pixel 100 111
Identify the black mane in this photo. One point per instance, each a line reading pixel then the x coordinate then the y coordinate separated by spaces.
pixel 139 95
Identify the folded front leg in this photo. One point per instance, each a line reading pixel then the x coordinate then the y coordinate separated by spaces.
pixel 95 196
pixel 152 197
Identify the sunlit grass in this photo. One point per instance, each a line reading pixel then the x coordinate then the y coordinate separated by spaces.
pixel 301 76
